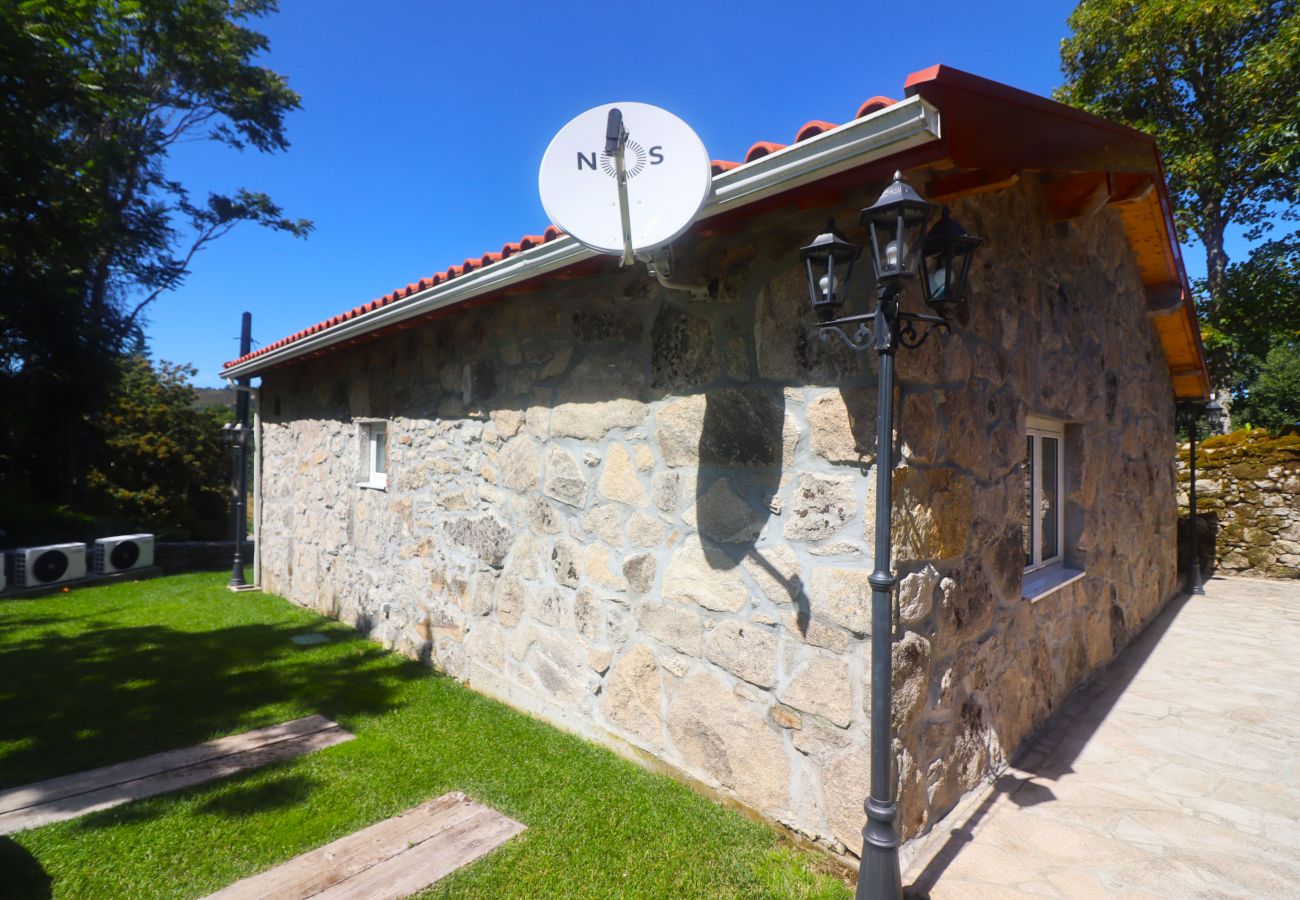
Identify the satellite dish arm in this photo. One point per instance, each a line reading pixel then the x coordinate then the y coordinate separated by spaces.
pixel 615 145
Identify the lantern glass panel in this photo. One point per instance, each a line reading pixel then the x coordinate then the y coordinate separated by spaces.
pixel 948 251
pixel 897 223
pixel 829 263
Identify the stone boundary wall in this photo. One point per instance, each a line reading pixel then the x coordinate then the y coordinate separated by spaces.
pixel 649 519
pixel 1248 504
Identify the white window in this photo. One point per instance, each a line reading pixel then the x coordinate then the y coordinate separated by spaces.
pixel 374 454
pixel 1044 485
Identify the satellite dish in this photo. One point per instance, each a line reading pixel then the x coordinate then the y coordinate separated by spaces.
pixel 625 178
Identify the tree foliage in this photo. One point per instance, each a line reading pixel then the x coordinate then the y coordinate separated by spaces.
pixel 1274 397
pixel 1258 309
pixel 1217 82
pixel 160 463
pixel 94 94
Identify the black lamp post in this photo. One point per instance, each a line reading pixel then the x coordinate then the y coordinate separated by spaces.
pixel 1189 415
pixel 899 242
pixel 235 436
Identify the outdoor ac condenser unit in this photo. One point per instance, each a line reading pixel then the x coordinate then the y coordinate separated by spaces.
pixel 34 566
pixel 121 553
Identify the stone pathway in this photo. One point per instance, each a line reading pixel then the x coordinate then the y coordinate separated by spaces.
pixel 1175 775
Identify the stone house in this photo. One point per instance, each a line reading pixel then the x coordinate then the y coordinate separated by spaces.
pixel 646 517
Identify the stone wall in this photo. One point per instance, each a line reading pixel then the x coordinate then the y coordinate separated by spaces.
pixel 650 519
pixel 1248 503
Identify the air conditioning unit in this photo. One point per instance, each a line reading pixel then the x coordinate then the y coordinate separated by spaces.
pixel 121 553
pixel 34 566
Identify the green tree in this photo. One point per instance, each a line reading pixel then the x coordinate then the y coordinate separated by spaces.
pixel 159 462
pixel 1259 308
pixel 93 96
pixel 1217 82
pixel 1274 396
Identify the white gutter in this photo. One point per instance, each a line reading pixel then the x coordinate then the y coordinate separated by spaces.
pixel 907 124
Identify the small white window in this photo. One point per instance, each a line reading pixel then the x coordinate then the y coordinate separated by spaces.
pixel 1043 529
pixel 374 455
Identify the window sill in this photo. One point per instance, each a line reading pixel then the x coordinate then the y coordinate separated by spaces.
pixel 1040 584
pixel 373 485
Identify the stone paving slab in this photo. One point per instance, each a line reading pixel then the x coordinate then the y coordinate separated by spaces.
pixel 1175 774
pixel 70 796
pixel 391 859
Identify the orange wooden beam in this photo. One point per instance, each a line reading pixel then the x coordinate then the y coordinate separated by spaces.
pixel 1076 196
pixel 1130 187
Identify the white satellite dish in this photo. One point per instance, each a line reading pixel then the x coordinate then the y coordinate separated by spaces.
pixel 625 178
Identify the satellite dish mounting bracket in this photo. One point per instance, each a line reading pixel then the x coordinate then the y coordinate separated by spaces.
pixel 660 265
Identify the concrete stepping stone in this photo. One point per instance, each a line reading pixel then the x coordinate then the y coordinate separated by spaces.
pixel 70 796
pixel 394 858
pixel 306 640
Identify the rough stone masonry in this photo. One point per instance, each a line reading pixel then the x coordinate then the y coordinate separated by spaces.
pixel 648 519
pixel 1248 487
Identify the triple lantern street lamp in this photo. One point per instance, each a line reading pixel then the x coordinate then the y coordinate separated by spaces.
pixel 1189 414
pixel 896 224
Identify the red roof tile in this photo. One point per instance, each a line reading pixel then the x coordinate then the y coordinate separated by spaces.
pixel 872 105
pixel 718 166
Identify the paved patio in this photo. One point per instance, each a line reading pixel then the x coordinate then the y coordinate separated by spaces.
pixel 1175 775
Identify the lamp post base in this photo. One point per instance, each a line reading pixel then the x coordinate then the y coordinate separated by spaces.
pixel 879 877
pixel 237 571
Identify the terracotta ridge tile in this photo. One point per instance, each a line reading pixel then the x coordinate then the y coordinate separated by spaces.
pixel 761 149
pixel 873 105
pixel 812 129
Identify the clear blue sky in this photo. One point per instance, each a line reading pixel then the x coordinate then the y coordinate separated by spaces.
pixel 422 126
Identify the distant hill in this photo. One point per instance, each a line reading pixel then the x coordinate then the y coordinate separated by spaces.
pixel 206 397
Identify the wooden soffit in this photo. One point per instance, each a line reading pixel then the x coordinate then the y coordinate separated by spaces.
pixel 992 133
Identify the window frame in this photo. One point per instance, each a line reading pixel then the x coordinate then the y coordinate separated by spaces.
pixel 1037 428
pixel 369 433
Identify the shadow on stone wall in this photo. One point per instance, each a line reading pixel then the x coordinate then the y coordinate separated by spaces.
pixel 740 455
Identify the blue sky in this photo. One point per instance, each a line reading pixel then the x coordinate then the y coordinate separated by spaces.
pixel 422 126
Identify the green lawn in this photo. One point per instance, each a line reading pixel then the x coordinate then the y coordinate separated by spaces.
pixel 101 675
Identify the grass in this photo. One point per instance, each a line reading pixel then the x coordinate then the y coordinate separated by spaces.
pixel 105 674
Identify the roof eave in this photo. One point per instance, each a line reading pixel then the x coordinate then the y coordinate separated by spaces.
pixel 878 135
pixel 992 125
